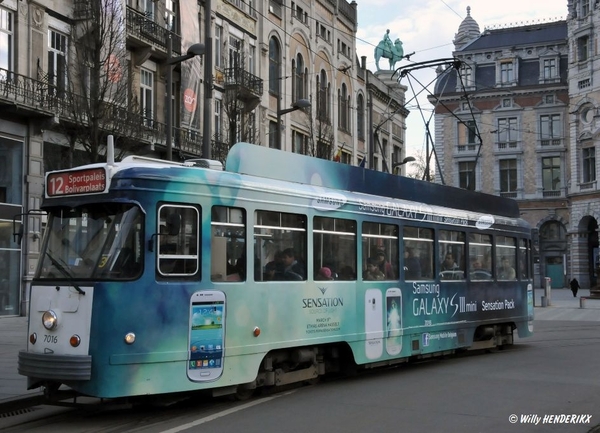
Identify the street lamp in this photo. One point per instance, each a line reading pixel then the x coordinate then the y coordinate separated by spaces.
pixel 193 51
pixel 404 161
pixel 299 104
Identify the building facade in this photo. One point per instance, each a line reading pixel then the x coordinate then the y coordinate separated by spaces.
pixel 516 119
pixel 584 127
pixel 74 72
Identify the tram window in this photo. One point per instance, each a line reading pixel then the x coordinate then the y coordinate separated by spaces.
pixel 178 249
pixel 380 245
pixel 480 256
pixel 334 243
pixel 525 259
pixel 506 255
pixel 279 246
pixel 419 242
pixel 452 255
pixel 228 244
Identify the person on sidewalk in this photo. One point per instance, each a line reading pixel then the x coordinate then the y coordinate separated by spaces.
pixel 574 286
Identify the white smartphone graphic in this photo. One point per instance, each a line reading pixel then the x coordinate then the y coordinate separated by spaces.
pixel 373 323
pixel 393 335
pixel 207 336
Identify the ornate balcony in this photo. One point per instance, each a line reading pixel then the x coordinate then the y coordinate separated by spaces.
pixel 248 87
pixel 143 32
pixel 26 96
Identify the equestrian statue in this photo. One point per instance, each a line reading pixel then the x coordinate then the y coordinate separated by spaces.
pixel 394 52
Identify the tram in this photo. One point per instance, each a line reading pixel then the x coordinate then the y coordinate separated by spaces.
pixel 158 277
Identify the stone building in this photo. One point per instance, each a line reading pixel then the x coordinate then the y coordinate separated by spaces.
pixel 583 134
pixel 502 127
pixel 68 79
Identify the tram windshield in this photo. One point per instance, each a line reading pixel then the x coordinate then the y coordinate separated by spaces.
pixel 98 241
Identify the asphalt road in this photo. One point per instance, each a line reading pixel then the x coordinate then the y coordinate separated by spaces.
pixel 543 379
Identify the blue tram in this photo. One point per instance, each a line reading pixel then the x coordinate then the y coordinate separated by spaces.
pixel 158 277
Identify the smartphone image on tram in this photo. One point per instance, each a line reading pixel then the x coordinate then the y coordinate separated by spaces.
pixel 207 336
pixel 373 324
pixel 393 336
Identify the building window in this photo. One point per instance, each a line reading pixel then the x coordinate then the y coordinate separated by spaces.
pixel 299 79
pixel 274 65
pixel 218 120
pixel 550 70
pixel 276 7
pixel 466 175
pixel 551 173
pixel 147 96
pixel 466 75
pixel 588 155
pixel 218 53
pixel 6 42
pixel 360 117
pixel 507 133
pixel 273 144
pixel 550 130
pixel 171 8
pixel 57 62
pixel 251 57
pixel 322 97
pixel 236 47
pixel 585 7
pixel 508 176
pixel 148 8
pixel 323 32
pixel 300 142
pixel 467 135
pixel 587 114
pixel 343 104
pixel 507 72
pixel 583 46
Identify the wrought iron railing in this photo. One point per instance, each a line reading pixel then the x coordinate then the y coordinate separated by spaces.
pixel 240 77
pixel 146 29
pixel 31 93
pixel 42 97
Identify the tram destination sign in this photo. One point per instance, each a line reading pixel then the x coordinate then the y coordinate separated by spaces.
pixel 88 181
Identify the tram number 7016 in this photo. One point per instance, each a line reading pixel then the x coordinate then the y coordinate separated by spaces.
pixel 50 339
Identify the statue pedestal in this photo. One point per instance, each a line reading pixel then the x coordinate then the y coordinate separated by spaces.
pixel 389 81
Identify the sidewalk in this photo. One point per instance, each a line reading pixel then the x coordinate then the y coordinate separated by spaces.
pixel 13 335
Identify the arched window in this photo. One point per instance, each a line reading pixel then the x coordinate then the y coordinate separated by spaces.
pixel 274 65
pixel 343 104
pixel 360 117
pixel 323 97
pixel 299 78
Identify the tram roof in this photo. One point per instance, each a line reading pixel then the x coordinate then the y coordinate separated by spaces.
pixel 251 159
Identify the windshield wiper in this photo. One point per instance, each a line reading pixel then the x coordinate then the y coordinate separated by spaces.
pixel 64 271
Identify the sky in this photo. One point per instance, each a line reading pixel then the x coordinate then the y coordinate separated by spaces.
pixel 427 28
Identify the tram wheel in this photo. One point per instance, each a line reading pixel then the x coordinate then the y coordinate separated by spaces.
pixel 242 394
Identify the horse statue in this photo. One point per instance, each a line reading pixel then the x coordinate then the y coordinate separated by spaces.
pixel 394 53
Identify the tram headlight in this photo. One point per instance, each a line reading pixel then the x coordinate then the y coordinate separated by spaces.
pixel 130 338
pixel 50 320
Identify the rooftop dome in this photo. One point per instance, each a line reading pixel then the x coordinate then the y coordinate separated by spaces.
pixel 467 31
